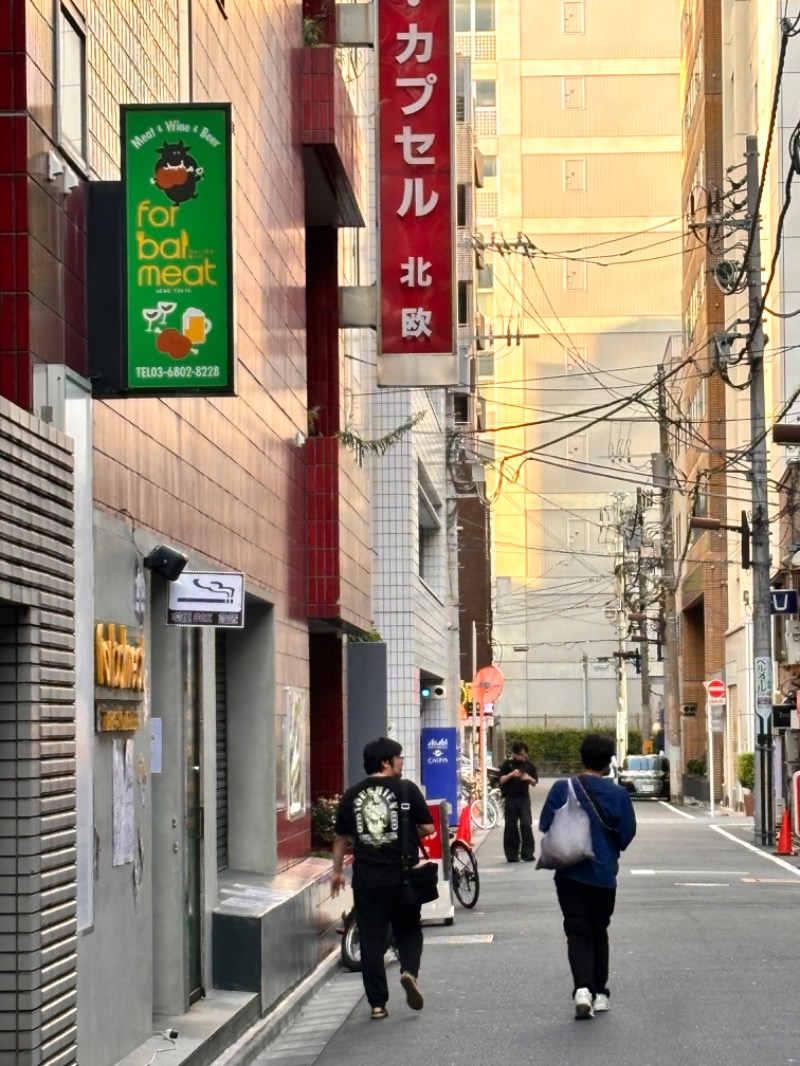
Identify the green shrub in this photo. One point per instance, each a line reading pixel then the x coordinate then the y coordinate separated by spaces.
pixel 746 770
pixel 698 767
pixel 558 750
pixel 323 819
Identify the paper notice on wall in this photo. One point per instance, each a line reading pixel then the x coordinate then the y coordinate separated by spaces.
pixel 122 812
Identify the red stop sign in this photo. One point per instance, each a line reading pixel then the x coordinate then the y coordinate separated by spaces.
pixel 716 689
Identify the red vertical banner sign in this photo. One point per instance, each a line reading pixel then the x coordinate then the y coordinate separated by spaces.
pixel 415 175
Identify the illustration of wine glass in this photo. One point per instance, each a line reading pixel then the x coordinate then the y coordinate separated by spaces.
pixel 166 307
pixel 151 315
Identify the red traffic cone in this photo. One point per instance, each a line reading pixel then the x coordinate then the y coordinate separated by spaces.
pixel 785 837
pixel 464 831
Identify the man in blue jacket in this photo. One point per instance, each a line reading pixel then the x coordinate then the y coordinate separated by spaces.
pixel 587 891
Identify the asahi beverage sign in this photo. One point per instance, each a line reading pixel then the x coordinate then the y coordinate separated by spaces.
pixel 176 169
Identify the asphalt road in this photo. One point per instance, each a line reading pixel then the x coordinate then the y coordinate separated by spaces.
pixel 704 960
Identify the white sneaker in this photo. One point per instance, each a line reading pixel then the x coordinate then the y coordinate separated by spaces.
pixel 601 1003
pixel 583 1003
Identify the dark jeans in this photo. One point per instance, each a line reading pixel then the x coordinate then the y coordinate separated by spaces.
pixel 587 912
pixel 519 828
pixel 376 910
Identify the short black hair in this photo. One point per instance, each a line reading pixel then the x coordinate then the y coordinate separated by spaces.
pixel 596 751
pixel 518 746
pixel 376 752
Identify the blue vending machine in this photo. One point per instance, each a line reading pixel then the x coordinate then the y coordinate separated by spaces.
pixel 440 767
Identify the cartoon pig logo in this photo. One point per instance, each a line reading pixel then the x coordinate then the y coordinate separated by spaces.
pixel 177 173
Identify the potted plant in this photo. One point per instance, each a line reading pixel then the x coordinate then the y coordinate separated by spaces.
pixel 323 822
pixel 746 776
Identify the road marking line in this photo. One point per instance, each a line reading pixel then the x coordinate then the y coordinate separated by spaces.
pixel 459 938
pixel 769 881
pixel 701 884
pixel 683 814
pixel 758 851
pixel 688 873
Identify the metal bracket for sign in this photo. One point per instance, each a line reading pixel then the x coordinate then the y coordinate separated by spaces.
pixel 207 598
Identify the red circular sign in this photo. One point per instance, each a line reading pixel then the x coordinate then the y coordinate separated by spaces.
pixel 716 689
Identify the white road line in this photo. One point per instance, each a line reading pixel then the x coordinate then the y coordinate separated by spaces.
pixel 690 873
pixel 701 884
pixel 758 851
pixel 684 814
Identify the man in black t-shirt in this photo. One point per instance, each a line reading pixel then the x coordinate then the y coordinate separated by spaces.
pixel 517 774
pixel 369 816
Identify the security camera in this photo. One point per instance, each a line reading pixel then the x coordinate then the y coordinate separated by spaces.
pixel 166 562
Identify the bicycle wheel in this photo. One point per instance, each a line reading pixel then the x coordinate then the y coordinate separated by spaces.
pixel 351 945
pixel 464 874
pixel 483 820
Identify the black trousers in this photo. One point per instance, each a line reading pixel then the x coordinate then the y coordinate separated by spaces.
pixel 377 910
pixel 587 912
pixel 519 828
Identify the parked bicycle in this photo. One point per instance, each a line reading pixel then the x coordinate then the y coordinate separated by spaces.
pixel 464 878
pixel 473 795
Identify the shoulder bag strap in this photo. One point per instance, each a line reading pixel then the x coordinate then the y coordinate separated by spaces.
pixel 409 858
pixel 596 810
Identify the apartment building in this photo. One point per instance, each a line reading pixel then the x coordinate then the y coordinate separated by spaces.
pixel 579 217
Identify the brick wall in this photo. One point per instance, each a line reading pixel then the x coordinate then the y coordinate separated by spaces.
pixel 38 879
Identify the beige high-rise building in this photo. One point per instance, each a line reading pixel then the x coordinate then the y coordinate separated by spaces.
pixel 578 119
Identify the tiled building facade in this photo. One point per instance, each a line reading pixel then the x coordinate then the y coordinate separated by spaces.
pixel 244 483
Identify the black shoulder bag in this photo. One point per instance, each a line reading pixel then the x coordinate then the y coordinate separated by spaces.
pixel 610 833
pixel 420 879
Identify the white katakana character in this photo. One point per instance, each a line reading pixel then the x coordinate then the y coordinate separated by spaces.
pixel 416 272
pixel 414 192
pixel 423 141
pixel 426 84
pixel 415 39
pixel 416 322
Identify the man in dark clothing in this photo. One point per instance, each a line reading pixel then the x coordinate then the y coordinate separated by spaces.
pixel 587 891
pixel 370 816
pixel 517 774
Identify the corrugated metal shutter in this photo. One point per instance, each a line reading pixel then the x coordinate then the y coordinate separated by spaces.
pixel 221 678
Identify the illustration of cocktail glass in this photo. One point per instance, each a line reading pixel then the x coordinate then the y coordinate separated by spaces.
pixel 166 307
pixel 151 315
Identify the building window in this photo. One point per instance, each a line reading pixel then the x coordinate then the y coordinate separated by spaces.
pixel 574 276
pixel 573 11
pixel 475 16
pixel 575 360
pixel 573 93
pixel 464 302
pixel 575 175
pixel 429 525
pixel 461 204
pixel 71 85
pixel 485 93
pixel 486 277
pixel 490 166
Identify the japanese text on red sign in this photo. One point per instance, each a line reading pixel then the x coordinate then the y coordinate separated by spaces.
pixel 415 177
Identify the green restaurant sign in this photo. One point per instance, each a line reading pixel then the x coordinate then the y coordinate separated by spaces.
pixel 178 279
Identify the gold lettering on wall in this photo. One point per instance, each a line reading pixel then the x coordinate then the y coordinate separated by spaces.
pixel 118 664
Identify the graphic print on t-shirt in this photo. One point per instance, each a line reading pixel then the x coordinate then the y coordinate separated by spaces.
pixel 376 814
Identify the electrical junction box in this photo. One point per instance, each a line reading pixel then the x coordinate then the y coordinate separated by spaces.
pixel 787 642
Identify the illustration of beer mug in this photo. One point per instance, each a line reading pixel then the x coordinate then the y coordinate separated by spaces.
pixel 195 325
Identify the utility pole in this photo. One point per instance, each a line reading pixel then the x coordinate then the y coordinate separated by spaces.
pixel 585 660
pixel 647 711
pixel 671 666
pixel 762 636
pixel 622 626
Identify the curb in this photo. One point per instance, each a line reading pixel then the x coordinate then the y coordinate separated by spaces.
pixel 259 1036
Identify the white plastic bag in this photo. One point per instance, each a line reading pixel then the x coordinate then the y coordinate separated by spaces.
pixel 569 839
